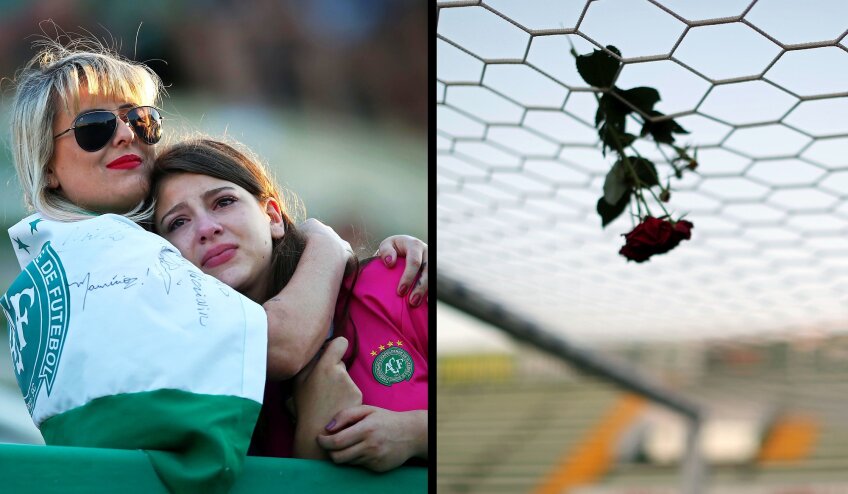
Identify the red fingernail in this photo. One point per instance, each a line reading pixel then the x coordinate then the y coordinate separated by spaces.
pixel 331 424
pixel 415 299
pixel 388 260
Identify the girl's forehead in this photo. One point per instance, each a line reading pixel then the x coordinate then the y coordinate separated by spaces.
pixel 185 184
pixel 192 188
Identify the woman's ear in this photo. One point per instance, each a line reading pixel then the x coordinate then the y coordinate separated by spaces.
pixel 52 179
pixel 272 208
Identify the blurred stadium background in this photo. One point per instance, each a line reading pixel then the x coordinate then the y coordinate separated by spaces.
pixel 331 94
pixel 745 323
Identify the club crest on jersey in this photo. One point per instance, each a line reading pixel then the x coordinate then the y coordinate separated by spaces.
pixel 393 364
pixel 37 308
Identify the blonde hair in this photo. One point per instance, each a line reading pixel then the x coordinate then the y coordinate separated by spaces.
pixel 53 78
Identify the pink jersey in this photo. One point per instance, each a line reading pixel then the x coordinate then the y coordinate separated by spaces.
pixel 387 352
pixel 386 355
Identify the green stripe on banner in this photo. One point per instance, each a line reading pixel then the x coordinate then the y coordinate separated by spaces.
pixel 27 469
pixel 196 442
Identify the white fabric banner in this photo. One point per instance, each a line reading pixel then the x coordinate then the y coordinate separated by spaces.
pixel 104 307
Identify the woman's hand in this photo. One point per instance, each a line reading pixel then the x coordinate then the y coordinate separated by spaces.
pixel 375 438
pixel 321 390
pixel 315 230
pixel 415 252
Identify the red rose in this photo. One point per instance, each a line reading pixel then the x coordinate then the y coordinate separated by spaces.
pixel 654 236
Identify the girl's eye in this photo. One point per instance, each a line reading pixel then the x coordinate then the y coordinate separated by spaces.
pixel 225 201
pixel 176 224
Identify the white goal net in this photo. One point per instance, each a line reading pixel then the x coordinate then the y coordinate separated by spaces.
pixel 762 88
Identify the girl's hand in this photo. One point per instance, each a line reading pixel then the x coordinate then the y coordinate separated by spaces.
pixel 375 438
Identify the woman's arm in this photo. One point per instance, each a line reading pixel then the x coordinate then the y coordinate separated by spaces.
pixel 299 316
pixel 376 438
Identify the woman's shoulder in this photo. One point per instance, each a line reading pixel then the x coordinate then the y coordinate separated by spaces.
pixel 30 235
pixel 38 223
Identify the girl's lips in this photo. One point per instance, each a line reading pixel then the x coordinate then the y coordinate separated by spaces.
pixel 125 162
pixel 218 255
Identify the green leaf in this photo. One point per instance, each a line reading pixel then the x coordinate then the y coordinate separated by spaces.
pixel 644 169
pixel 615 185
pixel 598 69
pixel 662 131
pixel 643 98
pixel 612 114
pixel 610 212
pixel 599 115
pixel 610 137
pixel 611 110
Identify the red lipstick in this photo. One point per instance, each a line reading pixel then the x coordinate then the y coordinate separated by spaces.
pixel 125 162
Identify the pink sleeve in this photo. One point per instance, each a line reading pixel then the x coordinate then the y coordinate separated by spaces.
pixel 376 290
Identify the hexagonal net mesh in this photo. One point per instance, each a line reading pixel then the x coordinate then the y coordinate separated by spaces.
pixel 761 88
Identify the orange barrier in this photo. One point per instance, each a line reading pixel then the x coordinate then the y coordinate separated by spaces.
pixel 792 438
pixel 592 456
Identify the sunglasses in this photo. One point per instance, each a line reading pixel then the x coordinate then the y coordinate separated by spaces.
pixel 94 129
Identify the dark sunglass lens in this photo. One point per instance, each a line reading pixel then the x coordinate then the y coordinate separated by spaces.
pixel 147 123
pixel 94 129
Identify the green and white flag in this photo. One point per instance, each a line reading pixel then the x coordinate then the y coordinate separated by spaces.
pixel 117 341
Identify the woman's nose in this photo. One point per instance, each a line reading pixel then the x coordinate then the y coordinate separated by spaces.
pixel 124 133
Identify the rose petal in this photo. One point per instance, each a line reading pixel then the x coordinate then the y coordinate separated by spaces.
pixel 684 228
pixel 638 255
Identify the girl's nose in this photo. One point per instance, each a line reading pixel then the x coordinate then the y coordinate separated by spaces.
pixel 207 229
